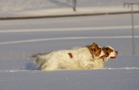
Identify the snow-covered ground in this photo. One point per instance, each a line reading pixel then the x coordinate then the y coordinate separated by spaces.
pixel 119 74
pixel 20 38
pixel 10 7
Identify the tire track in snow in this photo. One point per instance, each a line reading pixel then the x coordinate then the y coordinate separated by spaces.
pixel 65 38
pixel 69 29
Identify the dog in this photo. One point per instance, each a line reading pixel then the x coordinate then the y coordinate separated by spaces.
pixel 73 59
pixel 109 53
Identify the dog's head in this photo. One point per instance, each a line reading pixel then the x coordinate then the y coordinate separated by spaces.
pixel 96 51
pixel 109 52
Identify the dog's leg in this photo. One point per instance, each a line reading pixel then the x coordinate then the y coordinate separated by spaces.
pixel 49 66
pixel 34 61
pixel 44 67
pixel 39 61
pixel 89 65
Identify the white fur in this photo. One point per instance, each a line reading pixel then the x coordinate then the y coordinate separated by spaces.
pixel 96 64
pixel 81 59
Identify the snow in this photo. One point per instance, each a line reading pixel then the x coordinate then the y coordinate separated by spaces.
pixel 10 7
pixel 119 74
pixel 19 73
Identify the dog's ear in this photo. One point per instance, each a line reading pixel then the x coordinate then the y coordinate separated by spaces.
pixel 94 44
pixel 94 47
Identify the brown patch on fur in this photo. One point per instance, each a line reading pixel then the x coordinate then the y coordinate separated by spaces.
pixel 107 51
pixel 98 52
pixel 70 55
pixel 95 49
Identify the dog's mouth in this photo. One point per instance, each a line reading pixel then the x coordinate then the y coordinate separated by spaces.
pixel 101 56
pixel 115 55
pixel 112 57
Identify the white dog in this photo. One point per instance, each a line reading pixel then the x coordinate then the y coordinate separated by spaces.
pixel 70 59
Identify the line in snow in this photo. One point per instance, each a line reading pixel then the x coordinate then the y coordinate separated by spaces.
pixel 5 71
pixel 68 29
pixel 65 38
pixel 124 68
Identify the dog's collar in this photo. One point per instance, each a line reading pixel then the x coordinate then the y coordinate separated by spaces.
pixel 88 46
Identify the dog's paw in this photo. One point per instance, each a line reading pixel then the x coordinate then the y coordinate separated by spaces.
pixel 89 66
pixel 43 70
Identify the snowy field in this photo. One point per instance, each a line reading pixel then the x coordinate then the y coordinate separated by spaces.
pixel 10 7
pixel 21 38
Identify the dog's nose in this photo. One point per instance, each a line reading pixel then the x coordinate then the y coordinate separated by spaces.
pixel 116 52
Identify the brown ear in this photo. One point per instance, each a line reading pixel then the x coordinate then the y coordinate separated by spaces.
pixel 94 45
